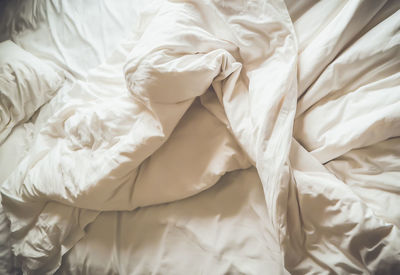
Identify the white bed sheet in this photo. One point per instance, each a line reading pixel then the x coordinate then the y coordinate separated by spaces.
pixel 380 159
pixel 64 36
pixel 73 35
pixel 223 230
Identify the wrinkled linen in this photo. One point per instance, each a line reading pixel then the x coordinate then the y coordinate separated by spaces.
pixel 124 138
pixel 26 83
pixel 223 230
pixel 75 36
pixel 117 129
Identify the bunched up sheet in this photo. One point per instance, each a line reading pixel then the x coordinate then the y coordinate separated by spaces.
pixel 200 89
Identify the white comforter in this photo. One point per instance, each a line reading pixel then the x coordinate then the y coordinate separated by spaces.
pixel 204 88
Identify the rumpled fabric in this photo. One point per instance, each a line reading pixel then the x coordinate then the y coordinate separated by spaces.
pixel 201 89
pixel 26 83
pixel 102 149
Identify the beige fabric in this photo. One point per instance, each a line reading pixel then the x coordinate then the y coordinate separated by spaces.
pixel 200 89
pixel 26 83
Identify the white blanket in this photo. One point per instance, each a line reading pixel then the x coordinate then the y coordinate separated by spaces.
pixel 201 89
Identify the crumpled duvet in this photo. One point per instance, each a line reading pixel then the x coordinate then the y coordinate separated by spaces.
pixel 201 89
